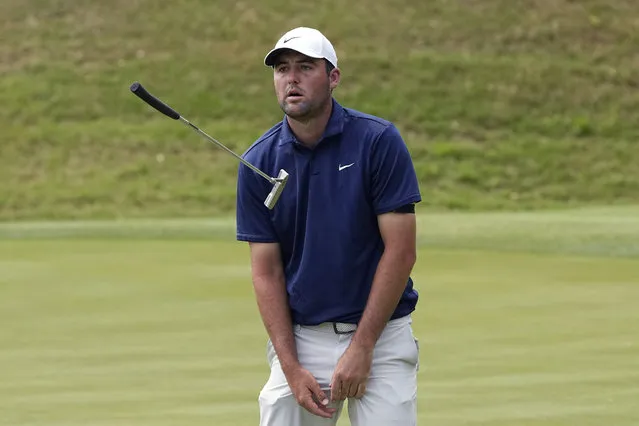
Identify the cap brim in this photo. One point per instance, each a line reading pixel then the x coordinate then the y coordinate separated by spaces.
pixel 269 59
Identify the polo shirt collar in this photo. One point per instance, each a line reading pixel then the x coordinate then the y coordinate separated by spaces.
pixel 335 125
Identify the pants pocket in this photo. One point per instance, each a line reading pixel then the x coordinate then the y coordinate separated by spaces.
pixel 397 351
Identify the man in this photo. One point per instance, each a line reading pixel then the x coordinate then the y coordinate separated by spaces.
pixel 331 262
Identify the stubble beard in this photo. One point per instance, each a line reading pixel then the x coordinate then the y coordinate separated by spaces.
pixel 306 110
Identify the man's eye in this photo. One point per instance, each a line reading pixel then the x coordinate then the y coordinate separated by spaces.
pixel 306 67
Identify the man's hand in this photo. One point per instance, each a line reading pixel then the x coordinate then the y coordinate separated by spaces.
pixel 308 393
pixel 351 373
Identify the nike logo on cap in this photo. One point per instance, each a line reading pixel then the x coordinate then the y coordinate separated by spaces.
pixel 289 39
pixel 340 167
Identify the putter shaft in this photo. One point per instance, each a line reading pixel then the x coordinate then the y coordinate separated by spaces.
pixel 273 181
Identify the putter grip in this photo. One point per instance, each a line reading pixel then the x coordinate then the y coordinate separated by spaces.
pixel 141 93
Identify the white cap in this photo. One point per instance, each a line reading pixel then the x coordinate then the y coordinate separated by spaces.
pixel 307 41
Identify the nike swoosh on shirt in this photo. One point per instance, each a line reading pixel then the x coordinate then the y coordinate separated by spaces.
pixel 340 167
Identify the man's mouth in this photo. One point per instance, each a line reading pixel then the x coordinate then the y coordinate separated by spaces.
pixel 294 94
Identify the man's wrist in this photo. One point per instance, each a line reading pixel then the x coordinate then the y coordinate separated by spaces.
pixel 363 342
pixel 290 368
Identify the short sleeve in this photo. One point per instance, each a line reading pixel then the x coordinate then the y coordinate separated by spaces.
pixel 394 181
pixel 253 221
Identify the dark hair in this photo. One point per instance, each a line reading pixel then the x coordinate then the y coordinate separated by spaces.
pixel 329 67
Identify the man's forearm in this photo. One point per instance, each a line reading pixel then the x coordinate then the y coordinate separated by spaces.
pixel 272 303
pixel 389 283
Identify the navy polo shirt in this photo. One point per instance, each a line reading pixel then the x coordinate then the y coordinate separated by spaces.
pixel 326 218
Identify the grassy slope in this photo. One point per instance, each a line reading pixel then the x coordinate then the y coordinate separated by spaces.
pixel 505 104
pixel 135 331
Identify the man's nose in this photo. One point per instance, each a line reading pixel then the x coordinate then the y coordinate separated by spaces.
pixel 293 76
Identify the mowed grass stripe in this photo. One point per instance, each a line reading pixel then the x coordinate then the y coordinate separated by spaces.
pixel 603 231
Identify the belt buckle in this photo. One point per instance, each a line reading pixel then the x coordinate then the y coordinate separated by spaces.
pixel 342 331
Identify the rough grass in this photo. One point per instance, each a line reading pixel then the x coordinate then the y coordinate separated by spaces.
pixel 506 104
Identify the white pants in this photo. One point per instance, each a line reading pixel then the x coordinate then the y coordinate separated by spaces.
pixel 391 391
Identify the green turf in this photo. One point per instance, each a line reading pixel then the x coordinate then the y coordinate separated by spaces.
pixel 599 231
pixel 505 104
pixel 100 329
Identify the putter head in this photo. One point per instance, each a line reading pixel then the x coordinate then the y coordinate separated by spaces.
pixel 275 193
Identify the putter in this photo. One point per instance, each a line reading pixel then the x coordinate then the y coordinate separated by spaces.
pixel 278 182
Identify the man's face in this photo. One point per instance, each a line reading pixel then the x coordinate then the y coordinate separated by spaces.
pixel 302 85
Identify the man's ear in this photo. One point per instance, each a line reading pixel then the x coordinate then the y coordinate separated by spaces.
pixel 334 77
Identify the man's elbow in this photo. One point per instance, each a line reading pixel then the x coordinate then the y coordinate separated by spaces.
pixel 404 256
pixel 410 258
pixel 267 279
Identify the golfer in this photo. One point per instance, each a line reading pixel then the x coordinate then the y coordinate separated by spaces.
pixel 331 263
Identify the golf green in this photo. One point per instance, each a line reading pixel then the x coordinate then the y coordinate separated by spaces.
pixel 165 331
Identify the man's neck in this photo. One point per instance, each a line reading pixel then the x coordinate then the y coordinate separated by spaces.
pixel 309 131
